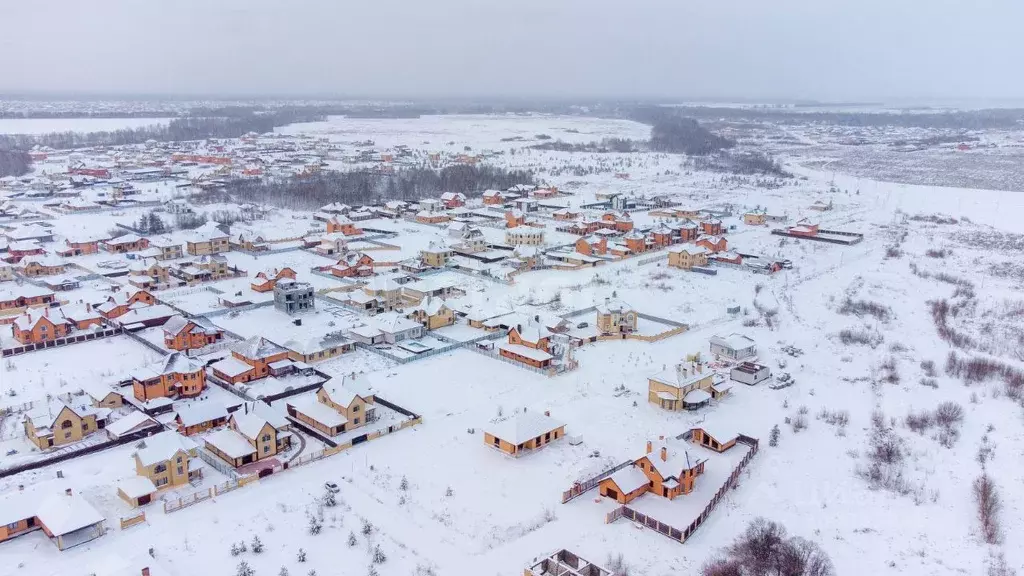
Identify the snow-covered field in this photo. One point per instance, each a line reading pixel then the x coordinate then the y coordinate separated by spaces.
pixel 438 497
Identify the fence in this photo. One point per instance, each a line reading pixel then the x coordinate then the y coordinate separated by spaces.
pixel 649 260
pixel 186 501
pixel 69 454
pixel 129 521
pixel 218 464
pixel 675 533
pixel 83 337
pixel 580 488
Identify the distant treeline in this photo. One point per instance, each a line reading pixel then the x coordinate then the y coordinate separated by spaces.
pixel 228 123
pixel 14 162
pixel 748 163
pixel 953 120
pixel 366 187
pixel 671 131
pixel 621 145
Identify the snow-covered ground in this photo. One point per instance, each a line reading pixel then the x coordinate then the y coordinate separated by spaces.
pixel 467 509
pixel 48 125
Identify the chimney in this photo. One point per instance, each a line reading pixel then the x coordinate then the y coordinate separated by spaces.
pixel 145 571
pixel 649 447
pixel 68 491
pixel 88 307
pixel 664 454
pixel 547 413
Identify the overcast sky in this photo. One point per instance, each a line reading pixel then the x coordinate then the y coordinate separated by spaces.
pixel 754 49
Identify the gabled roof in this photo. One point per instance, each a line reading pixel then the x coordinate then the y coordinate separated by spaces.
pixel 614 307
pixel 173 363
pixel 676 461
pixel 63 514
pixel 162 447
pixel 195 413
pixel 733 341
pixel 523 426
pixel 256 347
pixel 250 425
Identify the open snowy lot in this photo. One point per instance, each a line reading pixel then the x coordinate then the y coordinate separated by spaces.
pixel 891 416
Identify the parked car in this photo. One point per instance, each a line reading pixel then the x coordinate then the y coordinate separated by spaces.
pixel 332 487
pixel 582 325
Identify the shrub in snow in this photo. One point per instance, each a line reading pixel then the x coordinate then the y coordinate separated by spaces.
pixel 765 548
pixel 315 525
pixel 244 569
pixel 329 499
pixel 311 573
pixel 987 499
pixel 617 564
pixel 404 484
pixel 301 556
pixel 949 414
pixel 928 367
pixel 371 571
pixel 257 545
pixel 919 422
pixel 449 492
pixel 798 422
pixel 283 572
pixel 367 527
pixel 352 539
pixel 235 549
pixel 998 567
pixel 773 438
pixel 378 556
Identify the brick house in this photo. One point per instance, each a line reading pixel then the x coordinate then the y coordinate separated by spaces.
pixel 182 334
pixel 175 376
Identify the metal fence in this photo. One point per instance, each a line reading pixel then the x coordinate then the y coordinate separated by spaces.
pixel 580 488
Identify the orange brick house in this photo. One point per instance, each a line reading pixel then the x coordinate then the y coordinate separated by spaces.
pixel 529 345
pixel 666 471
pixel 662 235
pixel 175 376
pixel 249 360
pixel 267 279
pixel 119 303
pixel 592 245
pixel 27 296
pixel 40 325
pixel 688 231
pixel 635 242
pixel 618 222
pixel 711 227
pixel 341 223
pixel 567 214
pixel 453 200
pixel 353 264
pixel 125 243
pixel 804 227
pixel 714 243
pixel 79 247
pixel 182 334
pixel 41 265
pixel 514 218
pixel 523 432
pixel 493 198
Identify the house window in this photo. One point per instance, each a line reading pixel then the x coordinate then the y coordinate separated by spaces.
pixel 66 424
pixel 181 470
pixel 179 460
pixel 266 437
pixel 160 482
pixel 356 422
pixel 159 469
pixel 266 449
pixel 355 408
pixel 67 435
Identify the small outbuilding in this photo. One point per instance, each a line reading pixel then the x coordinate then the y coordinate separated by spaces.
pixel 750 373
pixel 524 432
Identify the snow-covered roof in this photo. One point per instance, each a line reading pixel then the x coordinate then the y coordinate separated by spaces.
pixel 231 366
pixel 256 347
pixel 163 446
pixel 136 486
pixel 676 460
pixel 733 341
pixel 195 413
pixel 629 479
pixel 230 442
pixel 525 351
pixel 614 307
pixel 697 396
pixel 249 425
pixel 132 421
pixel 173 363
pixel 394 323
pixel 318 411
pixel 523 426
pixel 63 514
